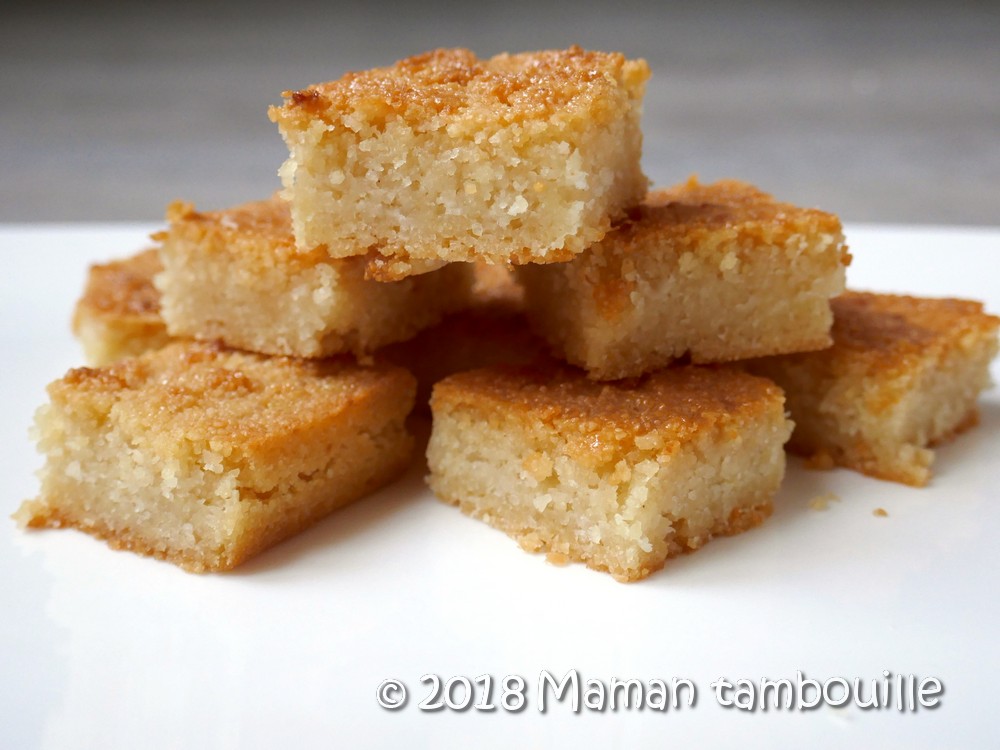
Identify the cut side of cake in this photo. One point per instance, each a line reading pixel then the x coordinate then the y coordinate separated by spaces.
pixel 235 276
pixel 619 476
pixel 205 457
pixel 713 273
pixel 119 313
pixel 903 374
pixel 524 158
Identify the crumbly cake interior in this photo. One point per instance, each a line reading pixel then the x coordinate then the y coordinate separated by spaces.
pixel 904 373
pixel 620 477
pixel 716 273
pixel 119 313
pixel 519 158
pixel 205 457
pixel 236 276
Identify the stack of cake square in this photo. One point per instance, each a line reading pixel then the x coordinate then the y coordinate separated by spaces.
pixel 617 399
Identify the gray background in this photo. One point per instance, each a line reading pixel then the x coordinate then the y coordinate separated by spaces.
pixel 879 111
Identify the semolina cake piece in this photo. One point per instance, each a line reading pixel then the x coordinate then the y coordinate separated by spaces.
pixel 524 158
pixel 119 313
pixel 205 457
pixel 491 331
pixel 619 476
pixel 716 273
pixel 903 374
pixel 235 276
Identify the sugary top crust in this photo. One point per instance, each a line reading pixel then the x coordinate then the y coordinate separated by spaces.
pixel 124 287
pixel 709 221
pixel 223 400
pixel 658 411
pixel 259 232
pixel 691 210
pixel 885 340
pixel 454 83
pixel 885 331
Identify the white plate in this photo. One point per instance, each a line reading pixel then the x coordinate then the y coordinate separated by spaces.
pixel 106 649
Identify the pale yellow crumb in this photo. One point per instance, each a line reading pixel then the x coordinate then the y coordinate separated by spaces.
pixel 715 272
pixel 235 276
pixel 205 456
pixel 618 476
pixel 880 512
pixel 514 159
pixel 557 558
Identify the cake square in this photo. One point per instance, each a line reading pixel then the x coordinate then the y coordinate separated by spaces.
pixel 205 457
pixel 446 157
pixel 119 313
pixel 235 276
pixel 619 476
pixel 716 273
pixel 903 374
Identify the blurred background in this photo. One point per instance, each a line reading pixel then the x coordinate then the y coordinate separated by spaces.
pixel 880 111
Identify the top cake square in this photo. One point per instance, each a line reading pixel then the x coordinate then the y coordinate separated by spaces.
pixel 446 157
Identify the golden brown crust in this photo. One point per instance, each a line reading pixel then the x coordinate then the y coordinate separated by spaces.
pixel 455 83
pixel 122 288
pixel 727 204
pixel 197 393
pixel 119 313
pixel 703 219
pixel 885 336
pixel 257 232
pixel 668 407
pixel 888 329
